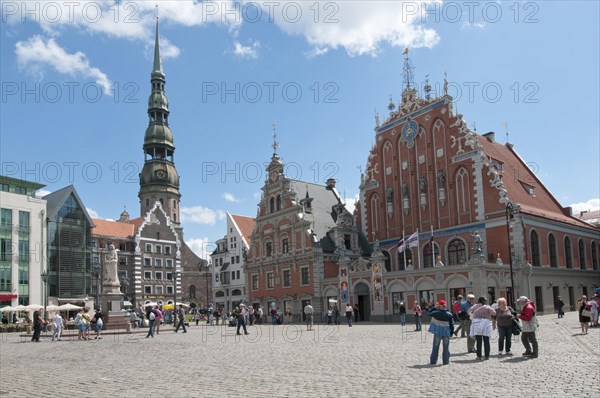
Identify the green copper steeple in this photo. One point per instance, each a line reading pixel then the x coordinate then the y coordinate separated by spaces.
pixel 159 180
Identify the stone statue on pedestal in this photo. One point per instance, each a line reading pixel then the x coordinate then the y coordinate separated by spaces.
pixel 110 280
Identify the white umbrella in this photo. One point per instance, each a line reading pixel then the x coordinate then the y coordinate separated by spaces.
pixel 69 307
pixel 33 307
pixel 21 307
pixel 7 309
pixel 184 304
pixel 52 307
pixel 150 304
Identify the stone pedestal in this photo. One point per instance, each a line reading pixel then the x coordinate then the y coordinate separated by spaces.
pixel 111 304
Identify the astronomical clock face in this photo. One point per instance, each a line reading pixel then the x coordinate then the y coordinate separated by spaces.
pixel 161 174
pixel 409 132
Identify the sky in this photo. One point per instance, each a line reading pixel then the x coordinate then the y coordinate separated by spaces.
pixel 75 78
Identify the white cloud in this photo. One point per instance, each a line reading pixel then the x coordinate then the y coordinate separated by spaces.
pixel 359 27
pixel 201 215
pixel 350 203
pixel 40 193
pixel 230 198
pixel 248 52
pixel 202 247
pixel 315 52
pixel 93 213
pixel 590 205
pixel 36 52
pixel 474 25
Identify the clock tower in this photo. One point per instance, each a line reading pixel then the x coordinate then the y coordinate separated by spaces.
pixel 159 180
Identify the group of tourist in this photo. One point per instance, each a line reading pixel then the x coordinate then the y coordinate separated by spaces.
pixel 478 321
pixel 84 321
pixel 588 311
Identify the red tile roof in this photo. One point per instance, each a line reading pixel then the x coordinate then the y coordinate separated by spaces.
pixel 516 175
pixel 245 224
pixel 113 228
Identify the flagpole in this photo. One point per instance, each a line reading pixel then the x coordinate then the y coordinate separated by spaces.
pixel 432 249
pixel 418 250
pixel 404 251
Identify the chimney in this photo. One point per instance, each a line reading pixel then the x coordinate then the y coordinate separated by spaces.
pixel 330 184
pixel 491 136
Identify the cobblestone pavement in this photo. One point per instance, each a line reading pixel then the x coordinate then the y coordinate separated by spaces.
pixel 367 360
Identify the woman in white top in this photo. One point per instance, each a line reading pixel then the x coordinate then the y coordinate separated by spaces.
pixel 481 326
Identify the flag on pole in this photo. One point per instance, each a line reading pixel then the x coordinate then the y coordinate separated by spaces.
pixel 411 241
pixel 397 244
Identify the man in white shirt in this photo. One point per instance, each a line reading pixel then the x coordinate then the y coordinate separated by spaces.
pixel 57 325
pixel 309 311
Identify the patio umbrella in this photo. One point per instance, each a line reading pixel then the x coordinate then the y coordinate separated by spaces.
pixel 20 307
pixel 150 304
pixel 7 309
pixel 69 307
pixel 185 305
pixel 52 307
pixel 33 307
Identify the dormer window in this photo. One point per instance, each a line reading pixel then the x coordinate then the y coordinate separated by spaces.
pixel 529 188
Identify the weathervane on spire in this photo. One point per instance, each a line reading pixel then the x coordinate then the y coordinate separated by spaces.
pixel 408 70
pixel 505 125
pixel 445 83
pixel 275 145
pixel 427 88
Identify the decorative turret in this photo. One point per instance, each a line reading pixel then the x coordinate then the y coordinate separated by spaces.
pixel 159 180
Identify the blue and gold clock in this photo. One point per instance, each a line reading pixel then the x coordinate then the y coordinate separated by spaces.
pixel 409 132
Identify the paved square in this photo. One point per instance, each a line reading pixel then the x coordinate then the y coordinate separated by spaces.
pixel 367 360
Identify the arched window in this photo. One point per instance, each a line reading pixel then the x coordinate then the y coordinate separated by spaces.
pixel 220 294
pixel 388 261
pixel 174 204
pixel 568 258
pixel 402 264
pixel 463 190
pixel 192 291
pixel 161 201
pixel 535 248
pixel 147 202
pixel 278 203
pixel 457 252
pixel 272 205
pixel 236 292
pixel 594 257
pixel 374 216
pixel 428 256
pixel 581 254
pixel 552 250
pixel 174 217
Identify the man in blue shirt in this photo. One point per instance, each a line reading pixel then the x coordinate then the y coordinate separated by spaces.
pixel 442 326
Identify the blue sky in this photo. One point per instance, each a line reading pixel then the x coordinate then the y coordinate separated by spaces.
pixel 75 83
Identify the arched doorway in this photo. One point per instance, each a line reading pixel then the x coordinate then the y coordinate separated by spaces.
pixel 363 298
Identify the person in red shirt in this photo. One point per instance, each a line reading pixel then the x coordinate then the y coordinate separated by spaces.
pixel 530 325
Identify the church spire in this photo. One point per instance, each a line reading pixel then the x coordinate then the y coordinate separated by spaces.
pixel 159 180
pixel 157 61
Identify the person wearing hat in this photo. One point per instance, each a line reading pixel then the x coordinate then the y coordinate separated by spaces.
pixel 442 327
pixel 559 305
pixel 465 306
pixel 529 327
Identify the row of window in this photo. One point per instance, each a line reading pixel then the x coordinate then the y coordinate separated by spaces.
pixel 158 289
pixel 457 254
pixel 19 190
pixel 553 252
pixel 6 219
pixel 286 280
pixel 225 276
pixel 7 250
pixel 157 248
pixel 158 275
pixel 285 247
pixel 158 262
pixel 234 292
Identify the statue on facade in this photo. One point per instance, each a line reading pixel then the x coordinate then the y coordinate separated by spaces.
pixel 110 266
pixel 477 243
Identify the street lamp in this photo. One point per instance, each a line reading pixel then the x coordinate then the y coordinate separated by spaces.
pixel 44 276
pixel 207 269
pixel 176 274
pixel 96 267
pixel 510 215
